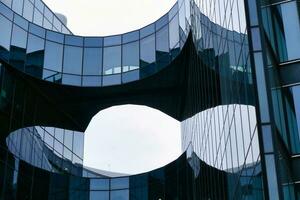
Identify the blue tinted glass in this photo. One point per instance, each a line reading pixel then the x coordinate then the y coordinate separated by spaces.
pixel 35 44
pixel 7 2
pixel 28 10
pixel 119 195
pixel 147 50
pixel 21 22
pixel 130 56
pixel 119 183
pixel 19 37
pixel 173 11
pixel 130 76
pixel 92 63
pixel 69 79
pixel 162 22
pixel 53 56
pixel 73 40
pixel 35 55
pixel 182 17
pixel 130 37
pixel 112 60
pixel 17 6
pixel 99 184
pixel 72 60
pixel 48 14
pixel 148 30
pixel 174 32
pixel 78 143
pixel 57 23
pixel 256 39
pixel 162 41
pixel 55 37
pixel 39 4
pixel 37 30
pixel 99 195
pixel 68 139
pixel 59 134
pixel 112 80
pixel 112 40
pixel 6 12
pixel 91 81
pixel 5 32
pixel 38 17
pixel 93 42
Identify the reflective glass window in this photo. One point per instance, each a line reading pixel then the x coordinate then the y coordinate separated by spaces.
pixel 162 22
pixel 112 60
pixel 38 17
pixel 18 47
pixel 5 33
pixel 20 21
pixel 182 17
pixel 68 139
pixel 72 60
pixel 99 184
pixel 48 14
pixel 147 50
pixel 174 32
pixel 55 37
pixel 47 24
pixel 6 12
pixel 92 62
pixel 59 134
pixel 70 79
pixel 56 23
pixel 111 79
pixel 53 56
pixel 39 5
pixel 35 55
pixel 130 37
pixel 28 10
pixel 130 76
pixel 7 2
pixel 130 56
pixel 256 39
pixel 17 6
pixel 162 42
pixel 99 195
pixel 112 40
pixel 119 183
pixel 67 154
pixel 91 81
pixel 148 30
pixel 19 37
pixel 37 30
pixel 173 11
pixel 58 147
pixel 119 195
pixel 78 142
pixel 73 40
pixel 93 42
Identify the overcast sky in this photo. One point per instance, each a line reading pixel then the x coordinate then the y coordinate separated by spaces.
pixel 128 139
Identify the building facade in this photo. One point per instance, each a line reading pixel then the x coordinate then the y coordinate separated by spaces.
pixel 227 70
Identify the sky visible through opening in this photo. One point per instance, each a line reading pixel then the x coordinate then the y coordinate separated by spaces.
pixel 127 139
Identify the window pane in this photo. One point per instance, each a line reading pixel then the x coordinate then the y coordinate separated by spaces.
pixel 92 64
pixel 70 79
pixel 38 17
pixel 112 79
pixel 18 47
pixel 130 37
pixel 35 55
pixel 148 30
pixel 5 34
pixel 78 143
pixel 74 40
pixel 174 32
pixel 162 43
pixel 130 56
pixel 28 10
pixel 72 60
pixel 112 60
pixel 147 50
pixel 112 40
pixel 17 6
pixel 53 56
pixel 68 140
pixel 91 81
pixel 119 183
pixel 99 184
pixel 99 195
pixel 119 195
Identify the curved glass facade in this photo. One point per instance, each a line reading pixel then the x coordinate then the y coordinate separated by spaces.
pixel 228 70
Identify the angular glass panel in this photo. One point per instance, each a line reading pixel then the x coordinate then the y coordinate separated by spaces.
pixel 119 195
pixel 6 12
pixel 111 79
pixel 162 42
pixel 182 18
pixel 58 147
pixel 130 56
pixel 38 17
pixel 55 37
pixel 130 37
pixel 174 32
pixel 112 40
pixel 78 143
pixel 130 76
pixel 48 14
pixel 5 34
pixel 148 30
pixel 73 40
pixel 69 79
pixel 57 24
pixel 93 42
pixel 20 21
pixel 99 195
pixel 53 56
pixel 35 55
pixel 34 29
pixel 67 154
pixel 72 60
pixel 39 5
pixel 91 81
pixel 17 6
pixel 162 22
pixel 7 2
pixel 173 11
pixel 92 63
pixel 256 39
pixel 59 134
pixel 28 10
pixel 119 183
pixel 99 184
pixel 68 139
pixel 18 47
pixel 147 50
pixel 112 60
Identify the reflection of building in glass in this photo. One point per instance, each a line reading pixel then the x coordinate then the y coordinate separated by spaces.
pixel 228 70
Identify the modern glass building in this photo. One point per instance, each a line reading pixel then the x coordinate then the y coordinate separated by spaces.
pixel 228 70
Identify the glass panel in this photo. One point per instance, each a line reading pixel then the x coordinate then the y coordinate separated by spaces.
pixel 28 10
pixel 38 17
pixel 111 80
pixel 147 50
pixel 68 140
pixel 72 60
pixel 17 6
pixel 59 134
pixel 130 56
pixel 148 30
pixel 48 14
pixel 93 42
pixel 112 40
pixel 99 195
pixel 18 47
pixel 35 55
pixel 74 40
pixel 99 184
pixel 162 22
pixel 7 2
pixel 53 56
pixel 119 183
pixel 174 32
pixel 78 142
pixel 92 63
pixel 130 76
pixel 55 37
pixel 119 195
pixel 5 34
pixel 37 30
pixel 162 43
pixel 70 79
pixel 20 21
pixel 112 60
pixel 91 81
pixel 130 37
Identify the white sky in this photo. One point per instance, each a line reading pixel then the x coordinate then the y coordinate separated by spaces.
pixel 128 139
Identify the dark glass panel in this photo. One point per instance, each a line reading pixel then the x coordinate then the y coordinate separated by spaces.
pixel 119 195
pixel 72 60
pixel 73 40
pixel 28 10
pixel 70 79
pixel 53 56
pixel 93 42
pixel 147 50
pixel 119 183
pixel 91 81
pixel 39 31
pixel 92 63
pixel 99 195
pixel 55 37
pixel 5 34
pixel 112 60
pixel 111 79
pixel 18 47
pixel 130 56
pixel 112 40
pixel 99 184
pixel 130 76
